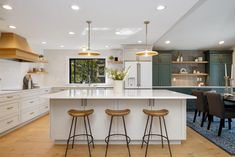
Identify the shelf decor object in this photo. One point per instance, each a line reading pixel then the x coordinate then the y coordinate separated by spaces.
pixel 226 78
pixel 146 52
pixel 88 51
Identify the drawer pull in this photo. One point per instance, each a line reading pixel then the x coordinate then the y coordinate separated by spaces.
pixel 31 102
pixel 31 113
pixel 9 97
pixel 9 108
pixel 46 106
pixel 10 122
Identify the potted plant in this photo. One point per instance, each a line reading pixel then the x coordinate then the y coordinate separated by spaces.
pixel 111 58
pixel 118 76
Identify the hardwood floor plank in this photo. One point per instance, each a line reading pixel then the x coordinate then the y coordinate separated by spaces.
pixel 33 140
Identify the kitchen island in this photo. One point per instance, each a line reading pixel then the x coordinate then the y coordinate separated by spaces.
pixel 101 99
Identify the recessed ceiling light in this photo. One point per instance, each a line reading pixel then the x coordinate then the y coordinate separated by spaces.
pixel 107 46
pixel 168 42
pixel 12 27
pixel 140 41
pixel 61 46
pixel 161 7
pixel 75 7
pixel 7 7
pixel 221 42
pixel 127 31
pixel 71 33
pixel 44 42
pixel 118 33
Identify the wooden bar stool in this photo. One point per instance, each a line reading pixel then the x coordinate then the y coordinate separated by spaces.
pixel 160 114
pixel 117 113
pixel 80 114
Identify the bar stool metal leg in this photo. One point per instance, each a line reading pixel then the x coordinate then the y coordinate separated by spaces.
pixel 74 131
pixel 107 145
pixel 92 139
pixel 161 131
pixel 87 136
pixel 146 126
pixel 150 128
pixel 69 137
pixel 168 141
pixel 126 136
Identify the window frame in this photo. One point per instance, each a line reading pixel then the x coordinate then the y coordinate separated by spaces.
pixel 75 58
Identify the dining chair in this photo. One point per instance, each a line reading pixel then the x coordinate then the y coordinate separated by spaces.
pixel 200 105
pixel 217 108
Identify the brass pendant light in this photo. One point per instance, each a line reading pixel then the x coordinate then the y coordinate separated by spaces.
pixel 88 51
pixel 146 52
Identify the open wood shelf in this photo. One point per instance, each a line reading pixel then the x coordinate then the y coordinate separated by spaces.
pixel 189 74
pixel 115 62
pixel 38 72
pixel 190 62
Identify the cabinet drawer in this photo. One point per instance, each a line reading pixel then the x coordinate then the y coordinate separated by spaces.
pixel 8 109
pixel 8 123
pixel 29 103
pixel 44 108
pixel 28 115
pixel 9 97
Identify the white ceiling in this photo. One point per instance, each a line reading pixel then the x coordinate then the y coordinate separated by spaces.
pixel 188 24
pixel 51 20
pixel 203 27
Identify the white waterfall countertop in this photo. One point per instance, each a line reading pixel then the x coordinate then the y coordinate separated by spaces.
pixel 111 94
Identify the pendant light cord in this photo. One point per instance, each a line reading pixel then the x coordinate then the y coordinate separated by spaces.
pixel 89 34
pixel 146 34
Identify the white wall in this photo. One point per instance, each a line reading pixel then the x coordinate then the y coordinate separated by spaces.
pixel 58 61
pixel 12 73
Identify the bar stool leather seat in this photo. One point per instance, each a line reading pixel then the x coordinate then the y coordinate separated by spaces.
pixel 117 112
pixel 80 113
pixel 156 113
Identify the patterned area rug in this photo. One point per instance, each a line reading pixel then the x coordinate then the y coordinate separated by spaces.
pixel 227 139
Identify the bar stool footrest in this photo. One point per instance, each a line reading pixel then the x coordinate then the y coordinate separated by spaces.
pixel 89 140
pixel 153 135
pixel 128 138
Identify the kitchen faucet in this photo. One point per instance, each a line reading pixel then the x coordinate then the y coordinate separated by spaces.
pixel 89 80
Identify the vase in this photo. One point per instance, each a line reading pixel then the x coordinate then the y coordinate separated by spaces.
pixel 118 86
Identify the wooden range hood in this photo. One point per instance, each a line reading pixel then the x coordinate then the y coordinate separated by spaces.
pixel 15 47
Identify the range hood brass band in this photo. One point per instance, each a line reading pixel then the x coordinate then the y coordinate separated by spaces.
pixel 15 47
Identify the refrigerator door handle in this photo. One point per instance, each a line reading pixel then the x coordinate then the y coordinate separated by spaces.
pixel 138 74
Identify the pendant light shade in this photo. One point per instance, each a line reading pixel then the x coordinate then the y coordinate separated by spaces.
pixel 88 51
pixel 146 52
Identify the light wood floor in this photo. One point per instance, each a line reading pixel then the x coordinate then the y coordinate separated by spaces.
pixel 33 141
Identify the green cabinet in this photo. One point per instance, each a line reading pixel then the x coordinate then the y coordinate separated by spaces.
pixel 215 68
pixel 162 69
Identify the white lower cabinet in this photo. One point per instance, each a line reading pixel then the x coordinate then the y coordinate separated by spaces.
pixel 8 122
pixel 21 107
pixel 99 119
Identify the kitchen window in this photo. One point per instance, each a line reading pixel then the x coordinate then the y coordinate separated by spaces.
pixel 86 70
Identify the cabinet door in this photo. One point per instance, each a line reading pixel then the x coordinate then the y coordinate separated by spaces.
pixel 131 80
pixel 99 120
pixel 136 120
pixel 164 74
pixel 214 74
pixel 155 75
pixel 145 75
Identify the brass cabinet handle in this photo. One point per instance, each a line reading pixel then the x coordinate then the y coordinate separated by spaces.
pixel 31 102
pixel 8 108
pixel 8 97
pixel 10 122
